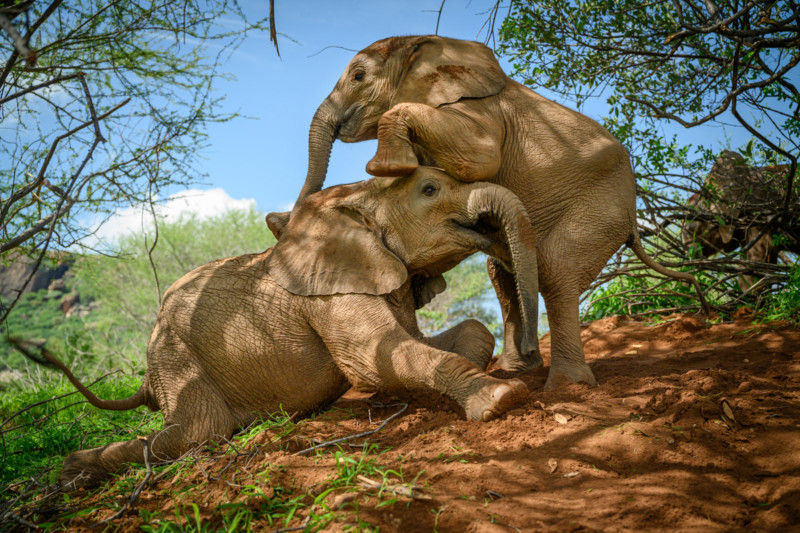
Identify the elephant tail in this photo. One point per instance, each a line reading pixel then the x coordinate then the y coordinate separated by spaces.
pixel 45 358
pixel 635 244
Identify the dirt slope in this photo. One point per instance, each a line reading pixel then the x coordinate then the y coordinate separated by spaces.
pixel 694 427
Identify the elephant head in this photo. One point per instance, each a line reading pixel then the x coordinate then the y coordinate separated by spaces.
pixel 371 237
pixel 422 69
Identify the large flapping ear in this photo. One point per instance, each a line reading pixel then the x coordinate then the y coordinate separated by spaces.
pixel 438 70
pixel 328 248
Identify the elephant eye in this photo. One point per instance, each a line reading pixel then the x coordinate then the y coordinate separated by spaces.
pixel 429 190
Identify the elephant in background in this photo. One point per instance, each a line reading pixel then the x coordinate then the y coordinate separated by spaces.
pixel 435 101
pixel 330 306
pixel 736 191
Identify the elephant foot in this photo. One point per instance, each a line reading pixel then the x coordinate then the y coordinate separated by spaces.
pixel 495 399
pixel 514 362
pixel 569 373
pixel 81 470
pixel 393 161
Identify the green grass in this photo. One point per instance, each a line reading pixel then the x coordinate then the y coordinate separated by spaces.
pixel 38 315
pixel 38 439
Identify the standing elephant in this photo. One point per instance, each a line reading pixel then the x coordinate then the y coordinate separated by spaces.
pixel 330 306
pixel 447 103
pixel 735 192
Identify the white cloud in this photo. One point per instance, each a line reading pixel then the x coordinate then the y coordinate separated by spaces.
pixel 203 203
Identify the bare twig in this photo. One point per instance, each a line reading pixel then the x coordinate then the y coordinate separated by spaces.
pixel 19 43
pixel 150 249
pixel 332 46
pixel 136 491
pixel 439 17
pixel 403 407
pixel 273 32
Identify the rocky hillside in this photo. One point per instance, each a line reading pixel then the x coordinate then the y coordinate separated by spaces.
pixel 52 274
pixel 16 268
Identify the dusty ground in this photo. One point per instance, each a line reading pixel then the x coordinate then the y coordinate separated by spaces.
pixel 694 427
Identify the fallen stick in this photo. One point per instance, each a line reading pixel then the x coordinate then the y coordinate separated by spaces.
pixel 357 435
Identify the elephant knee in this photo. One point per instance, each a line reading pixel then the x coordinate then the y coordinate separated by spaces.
pixel 477 335
pixel 475 343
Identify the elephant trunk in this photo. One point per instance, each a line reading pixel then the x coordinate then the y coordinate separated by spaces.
pixel 321 134
pixel 507 210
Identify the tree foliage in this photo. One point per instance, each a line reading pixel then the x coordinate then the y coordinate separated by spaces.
pixel 102 104
pixel 682 62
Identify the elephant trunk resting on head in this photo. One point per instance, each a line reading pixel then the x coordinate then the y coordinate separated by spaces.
pixel 444 102
pixel 330 306
pixel 738 191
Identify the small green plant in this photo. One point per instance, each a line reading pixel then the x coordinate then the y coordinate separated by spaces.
pixel 784 304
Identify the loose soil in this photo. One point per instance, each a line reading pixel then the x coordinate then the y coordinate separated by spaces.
pixel 694 427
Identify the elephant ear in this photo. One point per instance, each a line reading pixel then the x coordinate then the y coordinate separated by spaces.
pixel 438 71
pixel 327 248
pixel 276 222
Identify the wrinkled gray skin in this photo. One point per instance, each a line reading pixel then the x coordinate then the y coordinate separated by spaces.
pixel 330 306
pixel 447 103
pixel 735 189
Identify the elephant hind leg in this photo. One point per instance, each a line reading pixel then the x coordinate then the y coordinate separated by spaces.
pixel 199 416
pixel 567 360
pixel 470 339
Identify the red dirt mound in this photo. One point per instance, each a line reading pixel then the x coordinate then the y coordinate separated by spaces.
pixel 694 427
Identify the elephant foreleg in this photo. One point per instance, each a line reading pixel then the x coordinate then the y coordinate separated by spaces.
pixel 505 287
pixel 379 354
pixel 567 360
pixel 463 147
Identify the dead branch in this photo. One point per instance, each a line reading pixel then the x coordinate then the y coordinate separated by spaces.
pixel 357 435
pixel 273 32
pixel 20 44
pixel 136 491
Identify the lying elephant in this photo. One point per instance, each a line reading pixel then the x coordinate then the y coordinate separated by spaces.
pixel 738 191
pixel 330 306
pixel 444 102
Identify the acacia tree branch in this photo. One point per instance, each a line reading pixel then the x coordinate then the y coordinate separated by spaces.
pixel 26 190
pixel 726 102
pixel 19 42
pixel 38 86
pixel 155 225
pixel 12 59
